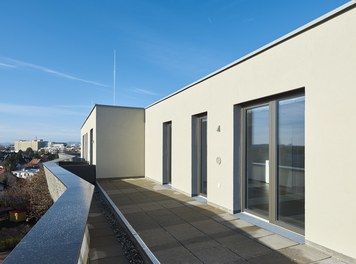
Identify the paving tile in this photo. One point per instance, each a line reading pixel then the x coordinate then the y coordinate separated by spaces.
pixel 128 190
pixel 206 211
pixel 243 246
pixel 101 241
pixel 240 261
pixel 105 252
pixel 115 191
pixel 183 231
pixel 168 220
pixel 217 254
pixel 95 209
pixel 130 209
pixel 182 210
pixel 251 249
pixel 104 248
pixel 177 226
pixel 156 237
pixel 177 255
pixel 170 245
pixel 160 212
pixel 195 204
pixel 254 231
pixel 112 260
pixel 224 217
pixel 141 221
pixel 276 241
pixel 303 254
pixel 272 257
pixel 200 242
pixel 210 227
pixel 214 210
pixel 330 261
pixel 97 219
pixel 119 201
pixel 237 224
pixel 97 225
pixel 102 232
pixel 107 185
pixel 150 206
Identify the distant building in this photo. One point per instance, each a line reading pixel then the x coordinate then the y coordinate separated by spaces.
pixel 25 144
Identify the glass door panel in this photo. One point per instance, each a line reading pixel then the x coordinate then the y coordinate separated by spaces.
pixel 203 156
pixel 257 160
pixel 290 161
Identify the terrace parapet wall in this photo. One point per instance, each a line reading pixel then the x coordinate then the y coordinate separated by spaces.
pixel 61 235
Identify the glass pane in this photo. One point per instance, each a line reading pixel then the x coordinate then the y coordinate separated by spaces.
pixel 167 153
pixel 291 161
pixel 257 160
pixel 203 155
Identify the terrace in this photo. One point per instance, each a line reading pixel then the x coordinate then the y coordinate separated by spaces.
pixel 164 226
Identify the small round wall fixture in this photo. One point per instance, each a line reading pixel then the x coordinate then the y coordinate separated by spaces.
pixel 218 160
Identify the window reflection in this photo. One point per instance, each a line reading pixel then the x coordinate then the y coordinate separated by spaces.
pixel 257 152
pixel 291 145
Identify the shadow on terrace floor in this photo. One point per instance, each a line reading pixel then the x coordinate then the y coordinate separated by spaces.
pixel 179 229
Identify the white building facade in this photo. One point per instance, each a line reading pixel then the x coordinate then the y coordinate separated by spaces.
pixel 113 139
pixel 25 144
pixel 270 135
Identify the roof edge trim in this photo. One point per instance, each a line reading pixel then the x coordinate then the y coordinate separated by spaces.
pixel 112 106
pixel 320 20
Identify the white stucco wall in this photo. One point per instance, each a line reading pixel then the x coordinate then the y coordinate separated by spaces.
pixel 120 137
pixel 89 124
pixel 323 61
pixel 118 147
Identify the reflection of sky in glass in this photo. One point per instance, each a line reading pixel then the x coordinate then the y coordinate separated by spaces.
pixel 258 119
pixel 291 122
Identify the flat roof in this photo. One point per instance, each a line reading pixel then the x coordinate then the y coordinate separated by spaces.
pixel 334 13
pixel 112 106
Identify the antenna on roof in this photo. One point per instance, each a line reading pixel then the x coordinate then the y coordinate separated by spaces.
pixel 114 95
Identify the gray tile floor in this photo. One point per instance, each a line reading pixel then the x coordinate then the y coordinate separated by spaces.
pixel 178 229
pixel 104 248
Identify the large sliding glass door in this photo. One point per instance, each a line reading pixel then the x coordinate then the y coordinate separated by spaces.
pixel 273 161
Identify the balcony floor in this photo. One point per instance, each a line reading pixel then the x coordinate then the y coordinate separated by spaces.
pixel 179 229
pixel 104 248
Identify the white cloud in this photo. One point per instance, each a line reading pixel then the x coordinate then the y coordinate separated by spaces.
pixel 143 91
pixel 5 65
pixel 19 64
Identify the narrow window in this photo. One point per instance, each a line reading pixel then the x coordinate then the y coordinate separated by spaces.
pixel 167 153
pixel 91 141
pixel 199 155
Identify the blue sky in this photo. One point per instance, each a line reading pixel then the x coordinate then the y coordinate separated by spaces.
pixel 56 57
